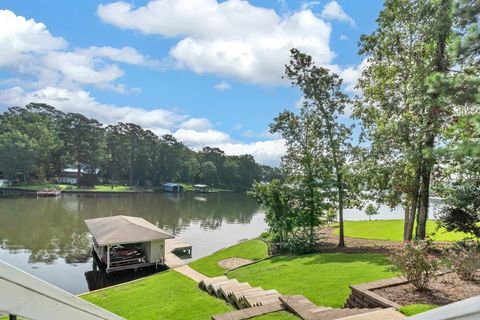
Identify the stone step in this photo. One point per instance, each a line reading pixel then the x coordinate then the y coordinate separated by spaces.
pixel 249 299
pixel 217 286
pixel 380 314
pixel 229 290
pixel 238 296
pixel 213 286
pixel 259 300
pixel 250 312
pixel 203 284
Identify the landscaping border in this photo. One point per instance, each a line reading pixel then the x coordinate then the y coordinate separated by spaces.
pixel 362 295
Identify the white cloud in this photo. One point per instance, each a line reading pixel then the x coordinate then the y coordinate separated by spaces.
pixel 198 124
pixel 222 85
pixel 333 11
pixel 265 152
pixel 39 59
pixel 82 102
pixel 198 139
pixel 350 76
pixel 19 37
pixel 231 38
pixel 343 37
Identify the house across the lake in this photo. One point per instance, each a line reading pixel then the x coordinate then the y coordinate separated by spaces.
pixel 124 242
pixel 4 183
pixel 172 187
pixel 69 175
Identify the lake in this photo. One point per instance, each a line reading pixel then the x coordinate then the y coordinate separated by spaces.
pixel 48 238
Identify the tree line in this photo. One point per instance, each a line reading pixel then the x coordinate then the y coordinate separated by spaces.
pixel 417 114
pixel 37 142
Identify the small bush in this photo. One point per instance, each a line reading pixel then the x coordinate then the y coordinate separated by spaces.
pixel 464 258
pixel 416 263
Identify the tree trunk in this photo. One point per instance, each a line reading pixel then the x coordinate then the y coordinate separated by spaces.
pixel 425 194
pixel 341 235
pixel 79 172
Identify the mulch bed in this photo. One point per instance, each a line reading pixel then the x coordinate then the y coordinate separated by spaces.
pixel 444 289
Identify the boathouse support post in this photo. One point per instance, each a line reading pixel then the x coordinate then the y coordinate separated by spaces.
pixel 108 257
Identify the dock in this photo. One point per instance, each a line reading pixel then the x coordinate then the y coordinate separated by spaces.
pixel 174 250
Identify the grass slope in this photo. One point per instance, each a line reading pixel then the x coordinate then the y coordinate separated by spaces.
pixel 414 309
pixel 393 230
pixel 167 295
pixel 252 250
pixel 322 278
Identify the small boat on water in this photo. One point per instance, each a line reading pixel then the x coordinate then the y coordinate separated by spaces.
pixel 49 193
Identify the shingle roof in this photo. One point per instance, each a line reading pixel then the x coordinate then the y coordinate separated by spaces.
pixel 124 229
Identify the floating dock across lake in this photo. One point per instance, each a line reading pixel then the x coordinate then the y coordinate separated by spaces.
pixel 125 242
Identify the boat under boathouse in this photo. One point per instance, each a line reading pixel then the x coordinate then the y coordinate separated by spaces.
pixel 125 242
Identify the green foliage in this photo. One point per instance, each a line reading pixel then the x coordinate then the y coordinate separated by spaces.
pixel 412 94
pixel 37 142
pixel 317 148
pixel 322 278
pixel 413 309
pixel 464 258
pixel 371 210
pixel 252 250
pixel 167 295
pixel 416 263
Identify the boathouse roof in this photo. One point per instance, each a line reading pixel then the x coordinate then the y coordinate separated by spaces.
pixel 124 229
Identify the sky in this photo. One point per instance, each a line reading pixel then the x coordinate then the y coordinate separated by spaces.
pixel 209 72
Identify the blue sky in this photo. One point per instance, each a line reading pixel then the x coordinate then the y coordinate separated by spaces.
pixel 207 71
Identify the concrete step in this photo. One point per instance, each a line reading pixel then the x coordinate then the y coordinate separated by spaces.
pixel 335 314
pixel 228 290
pixel 217 286
pixel 203 284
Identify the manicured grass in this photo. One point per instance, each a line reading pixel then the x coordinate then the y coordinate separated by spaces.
pixel 167 295
pixel 97 188
pixel 414 309
pixel 393 230
pixel 252 250
pixel 322 278
pixel 280 315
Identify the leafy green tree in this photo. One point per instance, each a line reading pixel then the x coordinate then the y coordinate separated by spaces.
pixel 209 172
pixel 18 154
pixel 276 199
pixel 82 139
pixel 192 168
pixel 318 144
pixel 371 210
pixel 406 101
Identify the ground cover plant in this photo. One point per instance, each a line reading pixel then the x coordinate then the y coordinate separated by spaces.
pixel 414 309
pixel 254 249
pixel 166 295
pixel 316 276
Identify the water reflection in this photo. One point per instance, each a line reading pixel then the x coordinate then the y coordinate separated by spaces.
pixel 44 235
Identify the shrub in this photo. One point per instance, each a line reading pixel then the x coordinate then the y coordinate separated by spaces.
pixel 464 258
pixel 416 263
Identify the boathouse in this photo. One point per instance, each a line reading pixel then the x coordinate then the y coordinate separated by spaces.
pixel 172 187
pixel 124 242
pixel 202 188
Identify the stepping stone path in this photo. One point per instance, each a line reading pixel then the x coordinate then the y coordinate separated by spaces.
pixel 234 262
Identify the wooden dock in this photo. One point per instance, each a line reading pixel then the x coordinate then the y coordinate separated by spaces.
pixel 174 250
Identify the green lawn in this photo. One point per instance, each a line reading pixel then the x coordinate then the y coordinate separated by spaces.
pixel 167 295
pixel 252 249
pixel 414 309
pixel 97 188
pixel 322 278
pixel 393 230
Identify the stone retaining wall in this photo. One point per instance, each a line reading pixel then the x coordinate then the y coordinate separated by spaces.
pixel 363 295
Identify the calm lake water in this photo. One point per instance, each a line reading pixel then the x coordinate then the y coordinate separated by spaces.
pixel 48 238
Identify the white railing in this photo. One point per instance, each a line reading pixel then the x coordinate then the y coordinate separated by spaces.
pixel 468 309
pixel 24 295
